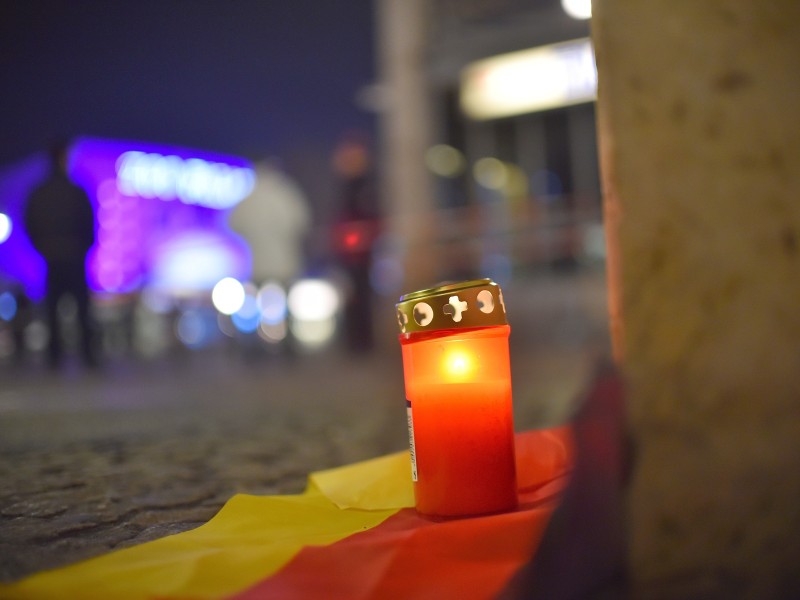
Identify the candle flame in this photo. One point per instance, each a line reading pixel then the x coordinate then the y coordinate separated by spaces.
pixel 458 364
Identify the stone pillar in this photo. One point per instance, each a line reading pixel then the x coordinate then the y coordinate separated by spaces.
pixel 402 27
pixel 699 133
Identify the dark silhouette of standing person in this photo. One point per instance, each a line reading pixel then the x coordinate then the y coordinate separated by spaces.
pixel 60 223
pixel 355 230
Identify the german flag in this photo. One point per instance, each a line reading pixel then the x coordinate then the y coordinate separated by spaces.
pixel 353 534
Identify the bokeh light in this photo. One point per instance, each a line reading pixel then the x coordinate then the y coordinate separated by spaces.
pixel 314 334
pixel 490 173
pixel 8 306
pixel 445 160
pixel 272 333
pixel 313 305
pixel 5 227
pixel 191 329
pixel 247 318
pixel 228 295
pixel 271 300
pixel 577 9
pixel 313 300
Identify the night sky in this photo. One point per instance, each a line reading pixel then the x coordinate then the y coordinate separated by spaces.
pixel 234 76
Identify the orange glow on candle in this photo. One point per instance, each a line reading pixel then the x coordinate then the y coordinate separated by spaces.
pixel 458 386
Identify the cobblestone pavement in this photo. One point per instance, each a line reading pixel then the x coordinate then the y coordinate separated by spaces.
pixel 90 462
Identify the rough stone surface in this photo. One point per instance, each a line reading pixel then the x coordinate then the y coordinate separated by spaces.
pixel 698 125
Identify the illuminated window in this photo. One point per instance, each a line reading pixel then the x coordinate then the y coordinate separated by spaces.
pixel 530 80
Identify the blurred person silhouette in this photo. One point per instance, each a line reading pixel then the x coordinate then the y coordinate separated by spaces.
pixel 355 230
pixel 23 316
pixel 274 220
pixel 60 223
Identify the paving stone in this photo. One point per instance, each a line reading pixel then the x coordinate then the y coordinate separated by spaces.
pixel 35 508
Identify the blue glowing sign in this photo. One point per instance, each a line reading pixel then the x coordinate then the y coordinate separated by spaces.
pixel 190 180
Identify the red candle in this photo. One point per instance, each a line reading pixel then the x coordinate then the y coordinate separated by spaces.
pixel 458 388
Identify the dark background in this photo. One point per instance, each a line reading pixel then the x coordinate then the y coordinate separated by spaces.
pixel 235 76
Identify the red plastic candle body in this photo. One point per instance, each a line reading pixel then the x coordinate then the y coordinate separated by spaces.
pixel 458 388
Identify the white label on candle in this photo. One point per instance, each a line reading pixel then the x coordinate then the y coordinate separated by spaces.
pixel 411 441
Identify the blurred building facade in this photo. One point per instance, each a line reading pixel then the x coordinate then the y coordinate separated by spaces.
pixel 482 193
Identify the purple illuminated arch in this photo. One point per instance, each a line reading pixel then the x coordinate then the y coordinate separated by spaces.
pixel 160 214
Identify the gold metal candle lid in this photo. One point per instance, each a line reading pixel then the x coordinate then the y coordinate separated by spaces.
pixel 475 303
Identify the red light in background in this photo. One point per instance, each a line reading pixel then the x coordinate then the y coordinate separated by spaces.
pixel 352 239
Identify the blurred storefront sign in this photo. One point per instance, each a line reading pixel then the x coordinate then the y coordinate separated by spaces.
pixel 532 80
pixel 189 180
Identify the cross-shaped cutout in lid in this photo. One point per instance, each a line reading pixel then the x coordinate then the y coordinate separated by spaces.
pixel 455 307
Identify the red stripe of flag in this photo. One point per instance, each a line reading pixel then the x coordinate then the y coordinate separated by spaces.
pixel 408 556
